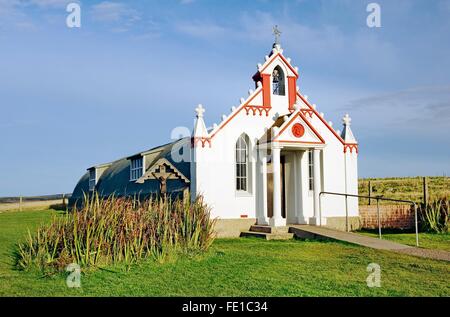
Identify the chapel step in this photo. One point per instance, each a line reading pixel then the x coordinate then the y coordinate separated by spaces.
pixel 269 229
pixel 268 236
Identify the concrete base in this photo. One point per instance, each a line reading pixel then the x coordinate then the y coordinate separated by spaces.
pixel 338 223
pixel 313 221
pixel 277 222
pixel 232 228
pixel 301 221
pixel 263 221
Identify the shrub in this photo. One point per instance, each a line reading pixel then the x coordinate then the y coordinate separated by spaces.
pixel 118 230
pixel 435 216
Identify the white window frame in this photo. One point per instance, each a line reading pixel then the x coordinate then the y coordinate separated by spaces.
pixel 311 169
pixel 242 178
pixel 92 180
pixel 136 171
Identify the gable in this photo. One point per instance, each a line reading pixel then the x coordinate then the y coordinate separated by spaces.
pixel 298 129
pixel 274 60
pixel 162 168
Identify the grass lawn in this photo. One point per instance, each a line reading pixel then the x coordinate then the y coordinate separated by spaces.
pixel 426 240
pixel 234 267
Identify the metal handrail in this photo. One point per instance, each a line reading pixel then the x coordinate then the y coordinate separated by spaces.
pixel 378 198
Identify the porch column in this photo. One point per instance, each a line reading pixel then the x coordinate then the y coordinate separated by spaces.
pixel 276 219
pixel 299 183
pixel 317 186
pixel 262 218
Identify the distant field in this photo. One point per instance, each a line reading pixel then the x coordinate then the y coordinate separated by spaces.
pixel 31 205
pixel 408 188
pixel 32 202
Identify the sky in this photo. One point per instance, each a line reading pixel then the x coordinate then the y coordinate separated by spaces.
pixel 71 98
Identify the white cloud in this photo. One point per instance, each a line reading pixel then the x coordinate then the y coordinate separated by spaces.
pixel 11 17
pixel 108 11
pixel 51 3
pixel 204 30
pixel 413 110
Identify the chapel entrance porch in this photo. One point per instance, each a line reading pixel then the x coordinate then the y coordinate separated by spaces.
pixel 288 171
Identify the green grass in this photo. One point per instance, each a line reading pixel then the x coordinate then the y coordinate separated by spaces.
pixel 426 240
pixel 233 267
pixel 407 188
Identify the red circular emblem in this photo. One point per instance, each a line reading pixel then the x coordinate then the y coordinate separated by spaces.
pixel 298 130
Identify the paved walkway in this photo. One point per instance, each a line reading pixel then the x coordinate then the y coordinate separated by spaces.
pixel 314 232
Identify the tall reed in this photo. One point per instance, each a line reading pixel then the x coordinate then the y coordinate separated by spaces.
pixel 435 216
pixel 118 230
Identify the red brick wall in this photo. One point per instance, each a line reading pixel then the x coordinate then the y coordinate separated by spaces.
pixel 392 216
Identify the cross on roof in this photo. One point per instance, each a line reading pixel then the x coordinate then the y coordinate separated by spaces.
pixel 346 120
pixel 277 34
pixel 200 110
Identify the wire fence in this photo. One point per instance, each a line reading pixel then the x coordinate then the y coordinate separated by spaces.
pixel 30 202
pixel 377 199
pixel 418 189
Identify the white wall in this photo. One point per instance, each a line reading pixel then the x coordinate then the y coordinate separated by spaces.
pixel 213 173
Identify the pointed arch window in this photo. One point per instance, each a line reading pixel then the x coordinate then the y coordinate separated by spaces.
pixel 242 163
pixel 278 81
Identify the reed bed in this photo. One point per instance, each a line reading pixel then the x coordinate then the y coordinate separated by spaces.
pixel 435 216
pixel 118 230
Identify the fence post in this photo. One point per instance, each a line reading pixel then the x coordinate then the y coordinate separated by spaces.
pixel 346 214
pixel 416 224
pixel 370 191
pixel 425 191
pixel 379 218
pixel 64 201
pixel 20 203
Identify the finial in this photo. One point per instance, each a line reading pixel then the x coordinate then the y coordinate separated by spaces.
pixel 200 110
pixel 277 34
pixel 347 120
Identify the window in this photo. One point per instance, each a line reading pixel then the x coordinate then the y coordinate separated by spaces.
pixel 136 168
pixel 278 81
pixel 242 164
pixel 311 169
pixel 92 179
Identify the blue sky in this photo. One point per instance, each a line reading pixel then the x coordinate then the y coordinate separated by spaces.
pixel 73 98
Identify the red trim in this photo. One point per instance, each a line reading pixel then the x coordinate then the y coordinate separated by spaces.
pixel 284 60
pixel 307 123
pixel 244 216
pixel 292 87
pixel 308 112
pixel 320 117
pixel 298 130
pixel 351 146
pixel 242 106
pixel 266 90
pixel 202 140
pixel 254 109
pixel 298 142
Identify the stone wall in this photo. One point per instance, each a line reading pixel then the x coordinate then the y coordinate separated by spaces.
pixel 392 216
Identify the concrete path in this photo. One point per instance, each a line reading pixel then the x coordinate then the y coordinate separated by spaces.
pixel 313 232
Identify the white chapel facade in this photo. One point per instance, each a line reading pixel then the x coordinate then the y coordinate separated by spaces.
pixel 270 158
